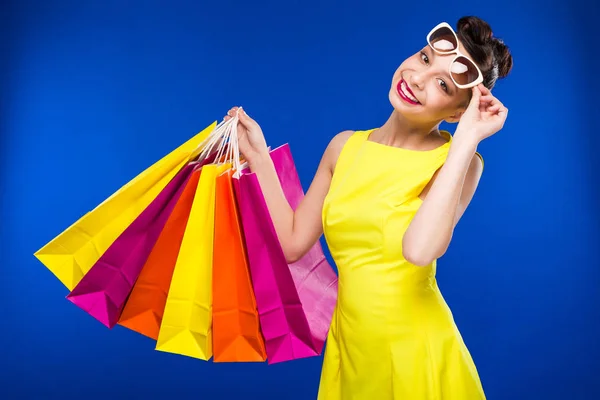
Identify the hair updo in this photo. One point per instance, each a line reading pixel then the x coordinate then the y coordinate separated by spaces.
pixel 490 53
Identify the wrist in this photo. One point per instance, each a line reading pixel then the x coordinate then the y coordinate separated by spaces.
pixel 462 149
pixel 466 138
pixel 259 160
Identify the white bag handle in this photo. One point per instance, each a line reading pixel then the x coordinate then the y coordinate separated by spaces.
pixel 213 138
pixel 209 142
pixel 224 139
pixel 235 149
pixel 228 146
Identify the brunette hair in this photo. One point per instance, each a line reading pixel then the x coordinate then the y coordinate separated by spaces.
pixel 489 52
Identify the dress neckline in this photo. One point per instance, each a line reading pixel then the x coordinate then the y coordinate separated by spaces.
pixel 444 133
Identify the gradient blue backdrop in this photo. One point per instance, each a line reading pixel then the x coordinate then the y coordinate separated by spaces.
pixel 93 92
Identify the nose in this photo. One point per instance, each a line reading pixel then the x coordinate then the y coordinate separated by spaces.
pixel 417 80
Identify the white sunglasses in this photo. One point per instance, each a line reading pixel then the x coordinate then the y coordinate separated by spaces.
pixel 463 71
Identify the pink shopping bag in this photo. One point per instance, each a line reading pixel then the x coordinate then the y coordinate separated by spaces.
pixel 296 301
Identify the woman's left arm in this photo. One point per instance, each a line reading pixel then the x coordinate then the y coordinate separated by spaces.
pixel 430 232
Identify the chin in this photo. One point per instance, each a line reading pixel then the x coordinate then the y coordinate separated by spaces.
pixel 397 106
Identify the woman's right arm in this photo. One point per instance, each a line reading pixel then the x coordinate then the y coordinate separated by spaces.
pixel 297 231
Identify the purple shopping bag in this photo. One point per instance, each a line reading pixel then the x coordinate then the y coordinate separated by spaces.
pixel 296 301
pixel 103 291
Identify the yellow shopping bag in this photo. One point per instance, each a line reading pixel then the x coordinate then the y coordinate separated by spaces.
pixel 186 328
pixel 71 254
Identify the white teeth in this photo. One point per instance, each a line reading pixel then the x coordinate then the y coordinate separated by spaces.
pixel 407 93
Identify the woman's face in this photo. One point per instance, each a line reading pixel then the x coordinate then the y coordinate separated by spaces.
pixel 424 77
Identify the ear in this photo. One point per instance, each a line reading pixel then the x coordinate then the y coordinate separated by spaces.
pixel 455 117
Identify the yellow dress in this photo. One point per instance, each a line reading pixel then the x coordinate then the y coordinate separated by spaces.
pixel 392 335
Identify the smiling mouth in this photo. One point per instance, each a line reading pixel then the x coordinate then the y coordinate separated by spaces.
pixel 406 94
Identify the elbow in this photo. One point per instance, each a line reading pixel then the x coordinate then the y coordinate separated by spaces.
pixel 424 256
pixel 292 257
pixel 418 258
pixel 291 254
pixel 416 255
pixel 295 250
pixel 423 251
pixel 419 255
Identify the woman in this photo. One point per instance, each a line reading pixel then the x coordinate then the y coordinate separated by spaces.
pixel 387 200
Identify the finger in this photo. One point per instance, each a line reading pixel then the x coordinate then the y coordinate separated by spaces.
pixel 484 91
pixel 503 112
pixel 245 118
pixel 492 99
pixel 498 103
pixel 475 99
pixel 487 98
pixel 484 105
pixel 495 103
pixel 494 109
pixel 500 114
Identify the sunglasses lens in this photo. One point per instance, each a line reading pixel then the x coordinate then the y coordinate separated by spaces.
pixel 464 71
pixel 443 40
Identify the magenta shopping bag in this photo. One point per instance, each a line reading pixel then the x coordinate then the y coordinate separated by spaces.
pixel 103 291
pixel 296 301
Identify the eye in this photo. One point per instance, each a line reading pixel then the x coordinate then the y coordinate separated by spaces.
pixel 424 58
pixel 443 85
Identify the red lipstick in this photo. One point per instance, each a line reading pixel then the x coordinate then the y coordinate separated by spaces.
pixel 403 86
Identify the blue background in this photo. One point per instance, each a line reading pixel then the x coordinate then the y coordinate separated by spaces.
pixel 94 92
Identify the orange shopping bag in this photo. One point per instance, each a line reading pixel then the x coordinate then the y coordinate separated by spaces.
pixel 236 326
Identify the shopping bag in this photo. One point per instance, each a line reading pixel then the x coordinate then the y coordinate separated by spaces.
pixel 314 278
pixel 236 326
pixel 102 292
pixel 144 309
pixel 71 254
pixel 186 327
pixel 296 301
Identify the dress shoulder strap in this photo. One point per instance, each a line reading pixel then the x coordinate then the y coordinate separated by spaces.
pixel 348 155
pixel 350 150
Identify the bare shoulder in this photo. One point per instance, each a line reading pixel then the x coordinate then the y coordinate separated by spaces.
pixel 476 165
pixel 334 149
pixel 339 140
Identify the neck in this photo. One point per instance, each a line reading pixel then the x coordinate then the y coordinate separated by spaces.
pixel 398 131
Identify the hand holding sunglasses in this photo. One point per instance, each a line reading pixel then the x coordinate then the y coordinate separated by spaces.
pixel 485 114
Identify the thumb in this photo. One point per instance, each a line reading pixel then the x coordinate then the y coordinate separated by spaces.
pixel 245 118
